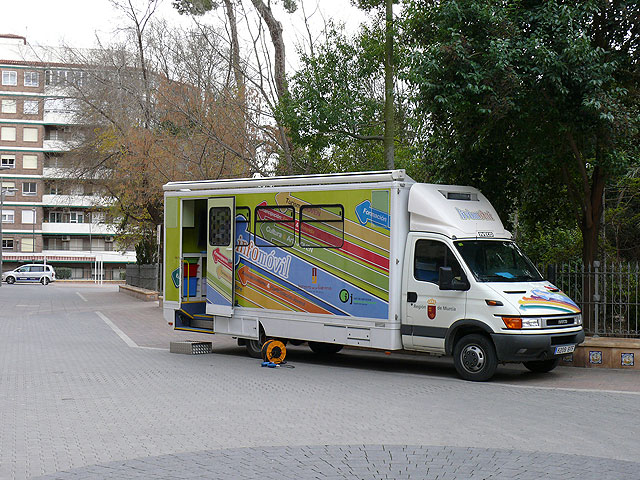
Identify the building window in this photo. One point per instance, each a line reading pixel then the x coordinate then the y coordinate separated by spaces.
pixel 8 161
pixel 9 188
pixel 30 107
pixel 9 77
pixel 26 245
pixel 76 217
pixel 97 217
pixel 30 162
pixel 8 134
pixel 30 134
pixel 76 189
pixel 31 79
pixel 55 134
pixel 54 189
pixel 8 216
pixel 7 244
pixel 29 188
pixel 9 106
pixel 55 217
pixel 28 217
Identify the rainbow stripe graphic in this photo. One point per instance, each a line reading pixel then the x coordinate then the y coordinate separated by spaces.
pixel 555 301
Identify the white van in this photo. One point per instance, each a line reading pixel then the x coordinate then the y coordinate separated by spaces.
pixel 365 259
pixel 32 273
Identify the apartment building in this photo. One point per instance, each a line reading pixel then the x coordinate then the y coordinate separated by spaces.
pixel 47 215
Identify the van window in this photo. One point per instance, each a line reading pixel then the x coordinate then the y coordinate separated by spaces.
pixel 219 226
pixel 274 226
pixel 321 226
pixel 429 256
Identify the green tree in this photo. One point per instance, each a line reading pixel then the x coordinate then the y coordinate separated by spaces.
pixel 518 92
pixel 335 113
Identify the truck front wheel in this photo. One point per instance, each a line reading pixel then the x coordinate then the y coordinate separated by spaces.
pixel 542 366
pixel 475 358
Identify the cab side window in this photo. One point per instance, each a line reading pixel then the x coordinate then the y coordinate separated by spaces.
pixel 429 256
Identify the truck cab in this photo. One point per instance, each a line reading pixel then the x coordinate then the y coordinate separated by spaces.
pixel 470 292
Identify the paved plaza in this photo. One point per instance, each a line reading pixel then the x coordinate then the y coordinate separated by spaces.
pixel 88 389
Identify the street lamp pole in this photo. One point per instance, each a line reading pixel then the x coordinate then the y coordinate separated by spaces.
pixel 33 236
pixel 2 193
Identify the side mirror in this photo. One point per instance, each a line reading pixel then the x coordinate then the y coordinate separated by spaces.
pixel 446 281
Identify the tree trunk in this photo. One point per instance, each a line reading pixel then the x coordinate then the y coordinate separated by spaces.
pixel 389 126
pixel 279 73
pixel 235 49
pixel 591 217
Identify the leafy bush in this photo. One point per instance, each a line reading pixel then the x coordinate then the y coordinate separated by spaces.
pixel 63 273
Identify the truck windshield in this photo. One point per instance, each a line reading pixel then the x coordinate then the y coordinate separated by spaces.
pixel 496 261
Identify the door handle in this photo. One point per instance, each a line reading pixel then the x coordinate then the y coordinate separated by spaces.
pixel 412 297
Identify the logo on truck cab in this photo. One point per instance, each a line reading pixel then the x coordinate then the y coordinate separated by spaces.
pixel 431 308
pixel 477 215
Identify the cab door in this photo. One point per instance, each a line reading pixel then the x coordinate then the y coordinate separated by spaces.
pixel 220 256
pixel 428 310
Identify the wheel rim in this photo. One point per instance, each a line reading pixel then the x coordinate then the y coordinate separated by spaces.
pixel 473 358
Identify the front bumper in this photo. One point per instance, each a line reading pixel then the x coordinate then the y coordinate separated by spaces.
pixel 514 348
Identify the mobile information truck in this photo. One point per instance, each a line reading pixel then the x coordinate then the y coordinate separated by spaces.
pixel 363 259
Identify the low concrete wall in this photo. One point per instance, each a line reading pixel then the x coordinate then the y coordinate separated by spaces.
pixel 140 293
pixel 605 352
pixel 143 276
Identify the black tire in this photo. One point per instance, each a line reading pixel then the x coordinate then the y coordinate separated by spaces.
pixel 325 348
pixel 474 357
pixel 44 281
pixel 254 347
pixel 542 366
pixel 11 280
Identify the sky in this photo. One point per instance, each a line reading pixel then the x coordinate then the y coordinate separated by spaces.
pixel 76 22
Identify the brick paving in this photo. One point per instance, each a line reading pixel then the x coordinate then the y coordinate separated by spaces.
pixel 365 462
pixel 76 401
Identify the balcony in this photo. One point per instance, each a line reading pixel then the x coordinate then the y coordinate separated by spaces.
pixel 73 201
pixel 60 145
pixel 61 172
pixel 50 228
pixel 55 172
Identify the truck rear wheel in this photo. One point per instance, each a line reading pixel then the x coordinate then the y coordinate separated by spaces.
pixel 254 348
pixel 474 357
pixel 542 366
pixel 325 348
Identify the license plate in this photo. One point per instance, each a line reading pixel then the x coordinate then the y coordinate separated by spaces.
pixel 562 349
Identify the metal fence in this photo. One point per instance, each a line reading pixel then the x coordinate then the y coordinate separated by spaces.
pixel 607 294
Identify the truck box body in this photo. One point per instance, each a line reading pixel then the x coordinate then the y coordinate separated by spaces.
pixel 355 259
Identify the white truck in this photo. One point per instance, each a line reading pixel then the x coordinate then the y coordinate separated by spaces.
pixel 364 259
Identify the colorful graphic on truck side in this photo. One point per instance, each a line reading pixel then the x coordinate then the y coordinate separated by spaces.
pixel 314 256
pixel 307 252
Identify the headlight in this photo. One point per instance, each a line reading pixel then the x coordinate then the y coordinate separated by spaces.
pixel 531 323
pixel 579 319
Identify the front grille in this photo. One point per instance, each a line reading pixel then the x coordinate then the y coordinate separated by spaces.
pixel 560 322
